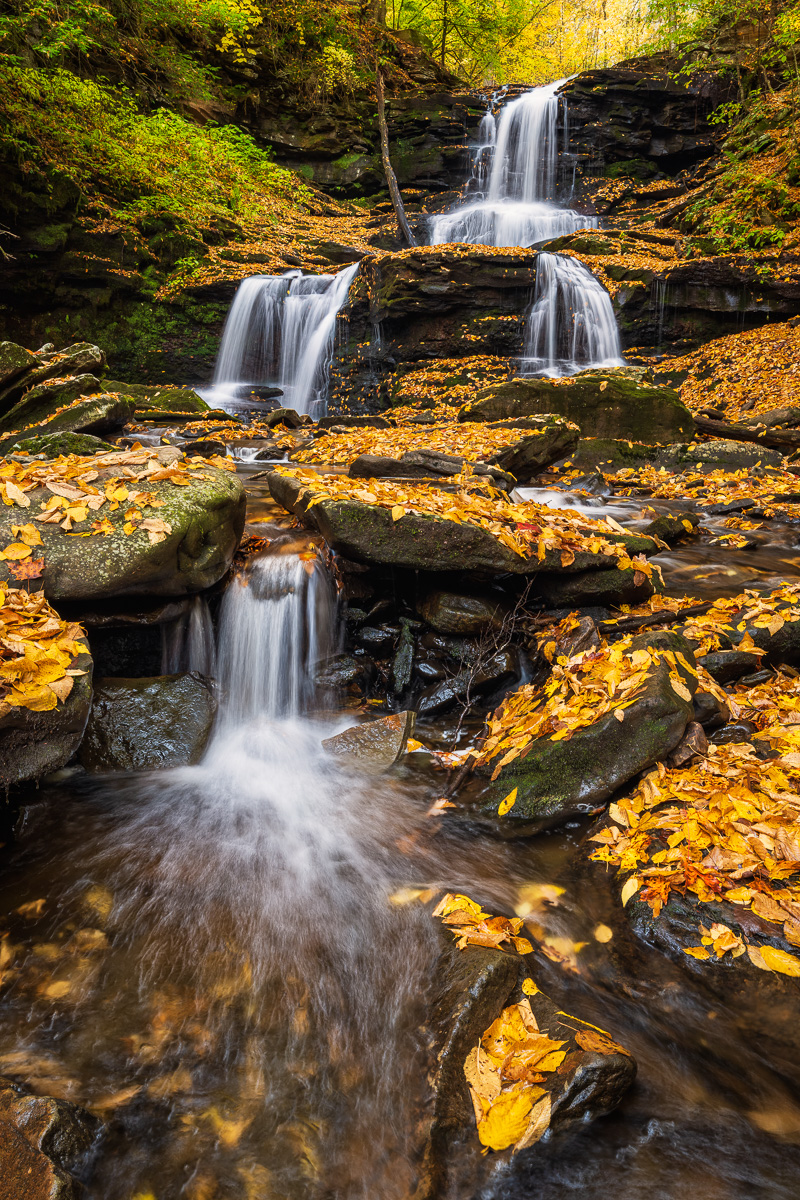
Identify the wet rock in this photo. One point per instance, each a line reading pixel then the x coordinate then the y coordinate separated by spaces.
pixel 428 668
pixel 415 465
pixel 403 660
pixel 204 448
pixel 283 416
pixel 710 712
pixel 343 672
pixel 604 588
pixel 41 1140
pixel 533 454
pixel 693 744
pixel 672 528
pixel 52 445
pixel 442 696
pixel 727 665
pixel 367 533
pixel 32 744
pixel 41 401
pixel 206 518
pixel 501 670
pixel 376 745
pixel 14 361
pixel 453 612
pixel 377 638
pixel 355 422
pixel 604 404
pixel 735 731
pixel 718 453
pixel 95 414
pixel 471 987
pixel 559 779
pixel 144 724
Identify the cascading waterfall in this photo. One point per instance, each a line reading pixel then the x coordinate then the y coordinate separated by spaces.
pixel 515 174
pixel 187 644
pixel 571 324
pixel 280 331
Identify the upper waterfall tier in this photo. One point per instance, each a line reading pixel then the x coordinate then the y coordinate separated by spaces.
pixel 280 330
pixel 515 178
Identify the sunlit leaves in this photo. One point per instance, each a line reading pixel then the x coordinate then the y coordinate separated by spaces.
pixel 37 652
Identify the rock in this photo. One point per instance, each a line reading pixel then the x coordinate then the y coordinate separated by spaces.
pixel 377 638
pixel 343 672
pixel 609 453
pixel 604 404
pixel 41 1139
pixel 367 533
pixel 32 744
pixel 41 401
pixel 53 445
pixel 533 454
pixel 607 589
pixel 403 659
pixel 375 745
pixel 727 665
pixel 501 670
pixel 78 359
pixel 671 528
pixel 471 987
pixel 153 395
pixel 415 465
pixel 375 422
pixel 146 724
pixel 453 612
pixel 205 448
pixel 95 414
pixel 206 518
pixel 14 361
pixel 559 779
pixel 718 453
pixel 283 416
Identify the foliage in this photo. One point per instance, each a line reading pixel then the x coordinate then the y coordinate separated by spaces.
pixel 38 651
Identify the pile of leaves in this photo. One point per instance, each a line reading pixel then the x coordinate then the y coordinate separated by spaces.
pixel 37 652
pixel 81 486
pixel 770 487
pixel 580 691
pixel 526 528
pixel 446 383
pixel 745 374
pixel 727 827
pixel 475 441
pixel 471 926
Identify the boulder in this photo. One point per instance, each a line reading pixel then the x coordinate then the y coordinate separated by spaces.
pixel 289 417
pixel 604 589
pixel 32 744
pixel 375 422
pixel 154 395
pixel 533 454
pixel 94 414
pixel 41 1139
pixel 367 533
pixel 146 724
pixel 500 671
pixel 343 672
pixel 204 448
pixel 205 518
pixel 556 780
pixel 78 359
pixel 455 612
pixel 720 452
pixel 603 404
pixel 41 402
pixel 374 746
pixel 471 988
pixel 53 445
pixel 14 361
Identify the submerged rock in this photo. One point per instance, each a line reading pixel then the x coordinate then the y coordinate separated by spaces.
pixel 604 404
pixel 459 613
pixel 471 988
pixel 41 1141
pixel 144 724
pixel 375 745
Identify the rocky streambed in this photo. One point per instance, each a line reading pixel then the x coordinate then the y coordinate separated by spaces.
pixel 398 805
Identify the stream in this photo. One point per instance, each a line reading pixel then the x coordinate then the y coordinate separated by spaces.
pixel 229 962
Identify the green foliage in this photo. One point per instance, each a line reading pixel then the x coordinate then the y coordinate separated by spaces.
pixel 144 168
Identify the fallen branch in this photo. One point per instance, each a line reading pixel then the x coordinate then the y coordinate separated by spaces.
pixel 391 178
pixel 747 433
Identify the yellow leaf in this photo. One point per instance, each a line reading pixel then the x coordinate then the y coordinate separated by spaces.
pixel 508 803
pixel 603 934
pixel 629 889
pixel 58 989
pixel 538 1123
pixel 780 960
pixel 529 987
pixel 679 687
pixel 16 550
pixel 697 952
pixel 507 1119
pixel 397 512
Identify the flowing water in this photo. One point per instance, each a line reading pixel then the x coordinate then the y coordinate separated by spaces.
pixel 280 333
pixel 516 188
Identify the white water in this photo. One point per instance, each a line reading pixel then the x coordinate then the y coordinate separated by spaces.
pixel 280 331
pixel 515 175
pixel 571 325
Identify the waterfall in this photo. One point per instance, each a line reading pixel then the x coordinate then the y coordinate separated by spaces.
pixel 280 330
pixel 515 175
pixel 187 644
pixel 571 324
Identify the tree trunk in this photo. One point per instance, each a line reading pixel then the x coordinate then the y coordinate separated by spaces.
pixel 444 35
pixel 391 178
pixel 745 433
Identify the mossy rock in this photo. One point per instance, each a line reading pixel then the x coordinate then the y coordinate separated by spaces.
pixel 557 780
pixel 144 724
pixel 33 744
pixel 611 404
pixel 14 361
pixel 41 401
pixel 53 445
pixel 94 414
pixel 367 533
pixel 206 518
pixel 171 399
